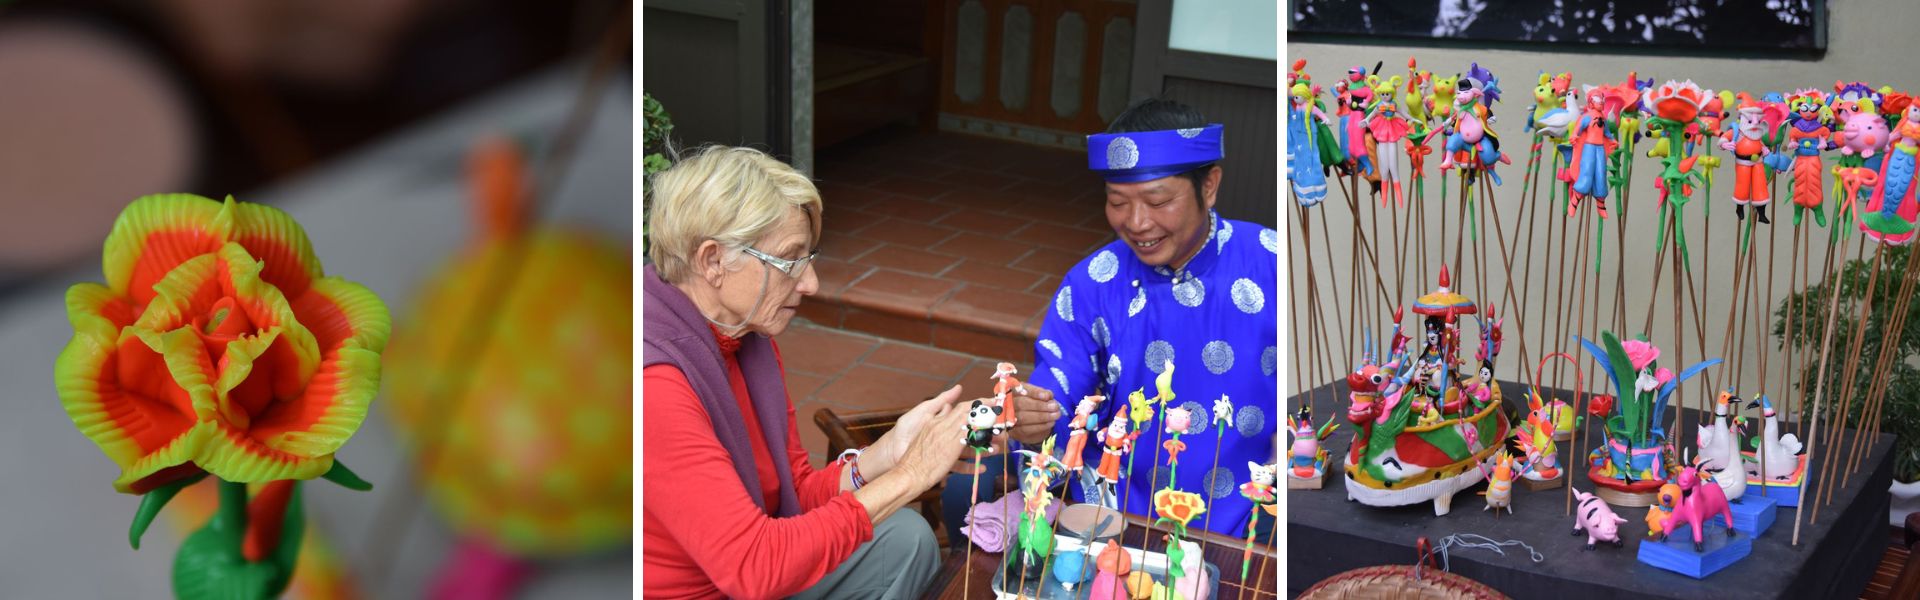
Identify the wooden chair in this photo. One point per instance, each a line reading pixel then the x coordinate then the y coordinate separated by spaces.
pixel 863 429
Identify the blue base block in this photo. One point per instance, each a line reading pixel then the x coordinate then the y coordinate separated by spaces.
pixel 1676 553
pixel 1785 496
pixel 1753 513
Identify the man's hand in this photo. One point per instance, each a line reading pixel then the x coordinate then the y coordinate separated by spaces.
pixel 1038 411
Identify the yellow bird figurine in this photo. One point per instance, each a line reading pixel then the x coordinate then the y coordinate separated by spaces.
pixel 1142 408
pixel 1164 383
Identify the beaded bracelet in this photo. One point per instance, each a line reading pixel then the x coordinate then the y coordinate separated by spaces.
pixel 850 460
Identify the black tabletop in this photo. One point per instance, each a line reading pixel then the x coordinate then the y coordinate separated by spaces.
pixel 1835 558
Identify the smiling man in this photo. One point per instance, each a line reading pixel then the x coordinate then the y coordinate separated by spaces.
pixel 1180 285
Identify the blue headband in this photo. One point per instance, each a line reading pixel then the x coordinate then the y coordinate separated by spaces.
pixel 1148 155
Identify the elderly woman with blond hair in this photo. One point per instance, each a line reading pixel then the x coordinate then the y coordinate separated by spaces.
pixel 733 507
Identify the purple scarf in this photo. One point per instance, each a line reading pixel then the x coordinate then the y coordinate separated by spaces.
pixel 676 334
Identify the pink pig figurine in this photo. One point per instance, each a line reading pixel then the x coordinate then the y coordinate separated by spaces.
pixel 1596 519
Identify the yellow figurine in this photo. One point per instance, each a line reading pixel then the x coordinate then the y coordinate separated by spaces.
pixel 1164 384
pixel 1142 408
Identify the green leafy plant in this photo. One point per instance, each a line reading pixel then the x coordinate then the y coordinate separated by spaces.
pixel 1809 312
pixel 659 129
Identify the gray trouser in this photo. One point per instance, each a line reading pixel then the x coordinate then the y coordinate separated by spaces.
pixel 897 564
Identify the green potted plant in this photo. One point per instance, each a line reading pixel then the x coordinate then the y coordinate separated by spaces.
pixel 659 128
pixel 1900 410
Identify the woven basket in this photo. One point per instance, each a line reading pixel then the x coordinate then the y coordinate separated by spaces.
pixel 1397 582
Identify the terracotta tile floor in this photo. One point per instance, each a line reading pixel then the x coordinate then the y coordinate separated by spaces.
pixel 854 372
pixel 950 240
pixel 941 254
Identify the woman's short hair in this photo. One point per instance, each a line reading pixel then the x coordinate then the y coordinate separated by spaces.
pixel 727 194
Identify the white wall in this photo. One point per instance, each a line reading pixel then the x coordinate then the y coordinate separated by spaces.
pixel 1864 44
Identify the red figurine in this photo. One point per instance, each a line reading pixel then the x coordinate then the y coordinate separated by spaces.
pixel 1005 385
pixel 1118 442
pixel 1082 426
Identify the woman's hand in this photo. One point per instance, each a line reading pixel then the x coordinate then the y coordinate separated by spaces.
pixel 937 445
pixel 886 452
pixel 923 460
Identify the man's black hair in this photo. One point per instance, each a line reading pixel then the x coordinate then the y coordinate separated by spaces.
pixel 1160 114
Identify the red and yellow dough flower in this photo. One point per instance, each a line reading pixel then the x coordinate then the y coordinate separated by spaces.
pixel 217 345
pixel 1177 506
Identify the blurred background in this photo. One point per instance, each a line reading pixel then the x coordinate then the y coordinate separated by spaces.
pixel 381 125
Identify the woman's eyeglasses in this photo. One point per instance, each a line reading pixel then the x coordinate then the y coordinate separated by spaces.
pixel 793 268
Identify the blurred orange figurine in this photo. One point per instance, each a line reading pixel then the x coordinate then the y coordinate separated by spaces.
pixel 1084 421
pixel 1004 387
pixel 533 461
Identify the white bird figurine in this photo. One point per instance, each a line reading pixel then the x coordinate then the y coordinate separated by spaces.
pixel 1779 453
pixel 1553 125
pixel 1732 481
pixel 1719 447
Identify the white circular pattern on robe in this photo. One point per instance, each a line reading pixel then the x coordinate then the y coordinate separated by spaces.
pixel 1122 153
pixel 1138 303
pixel 1251 421
pixel 1190 133
pixel 1113 370
pixel 1103 266
pixel 1158 353
pixel 1226 233
pixel 1270 240
pixel 1219 482
pixel 1268 358
pixel 1248 297
pixel 1218 356
pixel 1100 334
pixel 1201 419
pixel 1190 293
pixel 1063 303
pixel 1061 377
pixel 1051 348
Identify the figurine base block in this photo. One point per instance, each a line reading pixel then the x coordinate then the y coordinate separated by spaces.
pixel 1676 553
pixel 1753 513
pixel 1308 483
pixel 1786 492
pixel 1544 484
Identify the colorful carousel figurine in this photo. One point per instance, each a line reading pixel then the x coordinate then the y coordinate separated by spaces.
pixel 1396 461
pixel 1630 465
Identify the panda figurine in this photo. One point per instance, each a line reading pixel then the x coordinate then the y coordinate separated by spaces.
pixel 982 425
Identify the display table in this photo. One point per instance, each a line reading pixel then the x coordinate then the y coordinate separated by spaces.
pixel 953 582
pixel 1835 558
